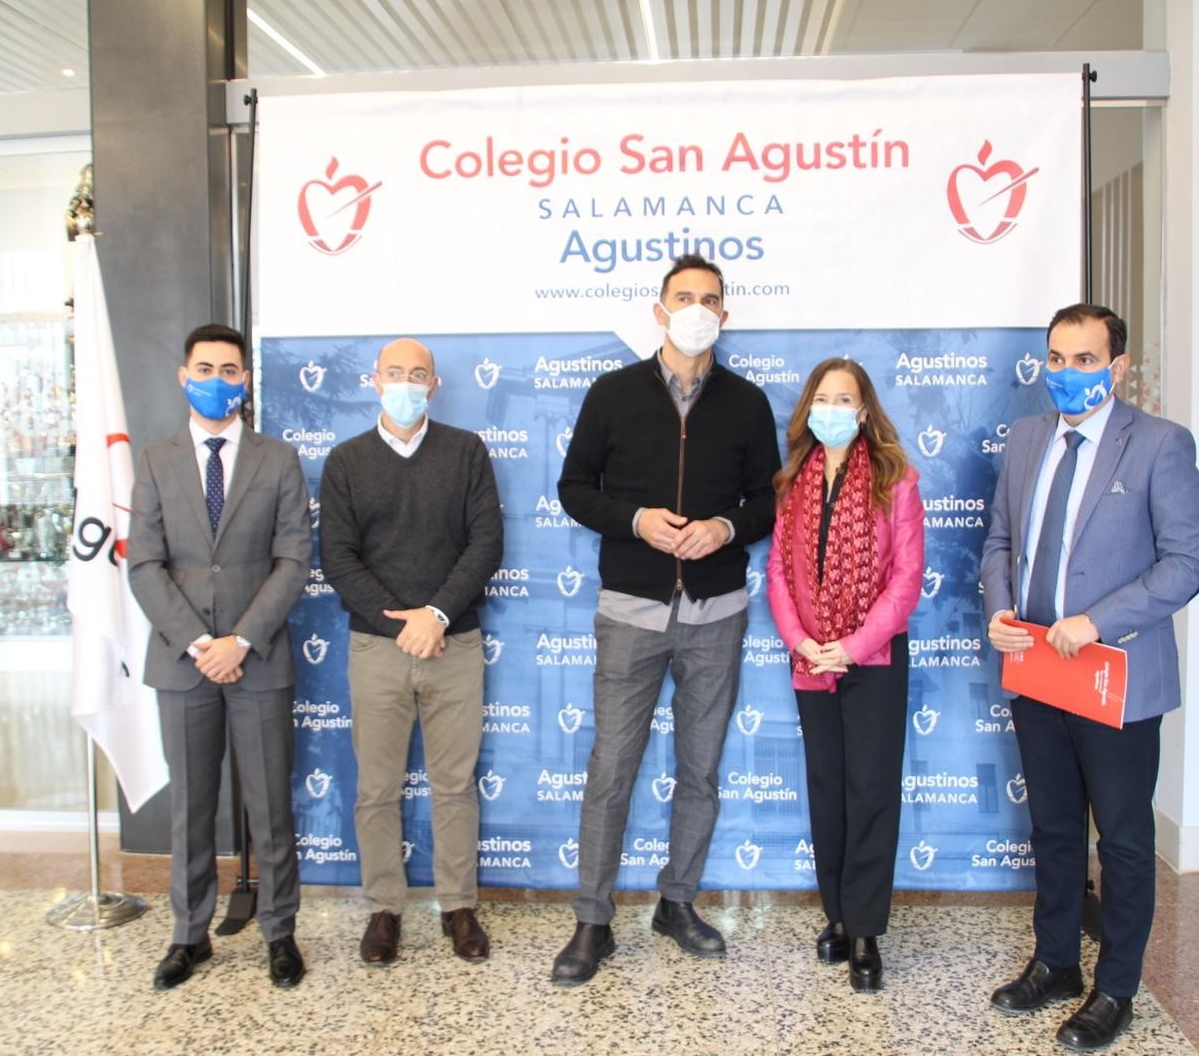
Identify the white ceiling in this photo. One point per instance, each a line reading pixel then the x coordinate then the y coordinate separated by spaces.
pixel 41 38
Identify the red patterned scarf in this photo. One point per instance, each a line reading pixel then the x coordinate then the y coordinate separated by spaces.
pixel 842 600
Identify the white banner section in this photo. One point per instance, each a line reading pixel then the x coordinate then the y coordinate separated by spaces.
pixel 931 202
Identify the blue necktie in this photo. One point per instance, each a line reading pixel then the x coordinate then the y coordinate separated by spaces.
pixel 214 481
pixel 1042 585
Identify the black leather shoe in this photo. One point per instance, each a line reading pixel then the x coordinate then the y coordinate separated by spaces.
pixel 832 944
pixel 287 966
pixel 1037 986
pixel 580 957
pixel 467 935
pixel 1099 1020
pixel 865 965
pixel 382 936
pixel 679 921
pixel 179 963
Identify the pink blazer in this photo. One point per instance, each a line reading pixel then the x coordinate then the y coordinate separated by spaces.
pixel 900 539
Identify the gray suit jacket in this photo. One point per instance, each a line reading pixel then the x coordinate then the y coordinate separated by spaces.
pixel 1134 558
pixel 244 581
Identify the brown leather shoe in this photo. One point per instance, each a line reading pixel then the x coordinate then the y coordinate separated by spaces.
pixel 382 936
pixel 470 940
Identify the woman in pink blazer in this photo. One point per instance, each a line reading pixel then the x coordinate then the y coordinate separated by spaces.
pixel 845 571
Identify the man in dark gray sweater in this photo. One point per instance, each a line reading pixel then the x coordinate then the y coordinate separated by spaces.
pixel 411 532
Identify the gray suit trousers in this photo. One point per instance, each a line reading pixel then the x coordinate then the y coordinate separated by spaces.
pixel 193 737
pixel 631 664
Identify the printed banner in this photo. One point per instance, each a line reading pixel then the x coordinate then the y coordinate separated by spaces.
pixel 924 227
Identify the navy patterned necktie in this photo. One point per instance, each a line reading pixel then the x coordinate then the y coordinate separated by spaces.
pixel 1042 584
pixel 214 481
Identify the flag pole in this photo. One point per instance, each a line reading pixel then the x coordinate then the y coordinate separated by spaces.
pixel 107 696
pixel 97 909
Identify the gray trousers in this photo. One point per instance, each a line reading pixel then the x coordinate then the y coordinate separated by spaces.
pixel 390 690
pixel 705 663
pixel 193 738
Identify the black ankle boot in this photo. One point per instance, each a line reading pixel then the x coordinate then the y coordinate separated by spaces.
pixel 865 965
pixel 832 944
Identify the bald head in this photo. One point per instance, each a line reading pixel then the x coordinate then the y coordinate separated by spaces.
pixel 404 354
pixel 400 362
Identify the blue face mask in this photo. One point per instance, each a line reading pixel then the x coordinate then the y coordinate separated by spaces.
pixel 833 426
pixel 405 402
pixel 214 398
pixel 1078 391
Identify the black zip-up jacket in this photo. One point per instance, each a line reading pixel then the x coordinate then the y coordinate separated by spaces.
pixel 631 448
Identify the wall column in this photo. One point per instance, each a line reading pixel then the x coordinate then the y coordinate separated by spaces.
pixel 162 192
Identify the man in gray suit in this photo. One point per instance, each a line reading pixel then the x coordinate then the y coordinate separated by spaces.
pixel 1094 534
pixel 219 549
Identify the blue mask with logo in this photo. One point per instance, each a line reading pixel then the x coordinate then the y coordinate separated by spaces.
pixel 214 398
pixel 1078 391
pixel 405 402
pixel 833 426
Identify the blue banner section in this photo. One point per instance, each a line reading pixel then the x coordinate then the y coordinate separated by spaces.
pixel 951 394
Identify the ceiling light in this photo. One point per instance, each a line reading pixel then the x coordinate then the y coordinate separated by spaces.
pixel 68 72
pixel 284 43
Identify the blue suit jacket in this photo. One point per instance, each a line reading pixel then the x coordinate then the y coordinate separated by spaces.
pixel 1134 557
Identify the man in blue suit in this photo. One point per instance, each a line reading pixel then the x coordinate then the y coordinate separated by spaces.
pixel 1095 534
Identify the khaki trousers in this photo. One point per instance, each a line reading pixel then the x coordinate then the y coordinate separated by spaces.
pixel 389 692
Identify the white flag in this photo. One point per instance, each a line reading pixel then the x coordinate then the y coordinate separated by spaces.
pixel 109 629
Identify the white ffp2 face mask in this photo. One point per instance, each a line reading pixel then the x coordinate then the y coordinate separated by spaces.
pixel 694 329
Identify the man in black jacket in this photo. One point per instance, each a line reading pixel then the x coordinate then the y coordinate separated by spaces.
pixel 671 463
pixel 411 532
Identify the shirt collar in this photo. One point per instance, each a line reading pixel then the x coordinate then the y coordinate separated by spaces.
pixel 231 433
pixel 676 386
pixel 1091 428
pixel 403 448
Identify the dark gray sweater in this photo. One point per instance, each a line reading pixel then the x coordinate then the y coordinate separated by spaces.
pixel 401 533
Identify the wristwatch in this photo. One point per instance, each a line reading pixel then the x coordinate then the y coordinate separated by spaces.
pixel 244 643
pixel 439 616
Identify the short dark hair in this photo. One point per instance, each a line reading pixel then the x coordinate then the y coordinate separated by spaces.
pixel 214 332
pixel 685 263
pixel 1077 314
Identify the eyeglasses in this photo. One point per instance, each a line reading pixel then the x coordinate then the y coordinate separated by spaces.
pixel 419 376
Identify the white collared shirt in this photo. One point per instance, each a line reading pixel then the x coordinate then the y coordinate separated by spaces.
pixel 403 448
pixel 232 437
pixel 1092 432
pixel 228 455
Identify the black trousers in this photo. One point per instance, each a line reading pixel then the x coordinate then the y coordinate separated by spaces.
pixel 853 744
pixel 1069 762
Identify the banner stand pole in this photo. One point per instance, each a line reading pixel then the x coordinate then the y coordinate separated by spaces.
pixel 251 100
pixel 1089 77
pixel 97 909
pixel 243 901
pixel 1091 923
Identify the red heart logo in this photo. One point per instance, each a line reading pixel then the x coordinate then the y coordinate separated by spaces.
pixel 334 214
pixel 994 206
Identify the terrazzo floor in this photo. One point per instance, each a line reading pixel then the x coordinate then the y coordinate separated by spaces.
pixel 82 993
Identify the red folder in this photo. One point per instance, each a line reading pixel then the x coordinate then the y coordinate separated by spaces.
pixel 1092 684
